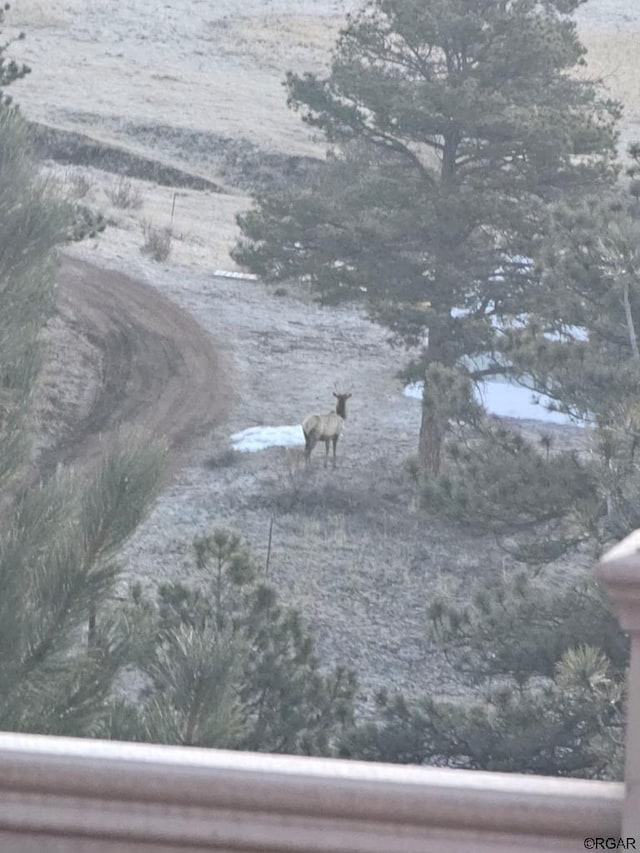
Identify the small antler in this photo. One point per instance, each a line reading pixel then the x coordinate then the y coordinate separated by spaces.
pixel 343 393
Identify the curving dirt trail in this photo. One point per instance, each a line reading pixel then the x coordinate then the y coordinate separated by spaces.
pixel 159 368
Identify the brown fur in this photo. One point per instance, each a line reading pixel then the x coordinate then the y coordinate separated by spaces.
pixel 325 428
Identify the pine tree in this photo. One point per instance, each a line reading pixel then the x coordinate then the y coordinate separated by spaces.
pixel 540 503
pixel 227 666
pixel 577 343
pixel 32 221
pixel 453 125
pixel 580 345
pixel 61 642
pixel 541 675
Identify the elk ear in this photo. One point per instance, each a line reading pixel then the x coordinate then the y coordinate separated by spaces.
pixel 347 396
pixel 334 393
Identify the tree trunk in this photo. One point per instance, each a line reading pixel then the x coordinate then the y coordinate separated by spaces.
pixel 430 443
pixel 633 340
pixel 91 632
pixel 431 436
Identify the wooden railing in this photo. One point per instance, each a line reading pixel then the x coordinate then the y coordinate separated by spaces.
pixel 70 795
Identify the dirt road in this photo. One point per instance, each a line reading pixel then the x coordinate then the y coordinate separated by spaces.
pixel 159 368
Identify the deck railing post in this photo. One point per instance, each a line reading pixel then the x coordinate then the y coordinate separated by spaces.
pixel 619 570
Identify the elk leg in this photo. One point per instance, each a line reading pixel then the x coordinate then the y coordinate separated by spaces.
pixel 335 442
pixel 309 444
pixel 326 453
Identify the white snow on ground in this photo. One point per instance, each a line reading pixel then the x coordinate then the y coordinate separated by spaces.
pixel 258 438
pixel 512 401
pixel 507 401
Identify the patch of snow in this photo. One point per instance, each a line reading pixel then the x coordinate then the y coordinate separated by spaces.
pixel 258 438
pixel 243 276
pixel 577 332
pixel 512 401
pixel 507 401
pixel 414 390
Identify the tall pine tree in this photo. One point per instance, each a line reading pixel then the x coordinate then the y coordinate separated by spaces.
pixel 61 644
pixel 453 124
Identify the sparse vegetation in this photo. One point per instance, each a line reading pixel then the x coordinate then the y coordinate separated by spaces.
pixel 157 242
pixel 36 14
pixel 125 194
pixel 223 459
pixel 78 182
pixel 85 223
pixel 304 496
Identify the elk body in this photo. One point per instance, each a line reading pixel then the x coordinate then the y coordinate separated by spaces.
pixel 325 428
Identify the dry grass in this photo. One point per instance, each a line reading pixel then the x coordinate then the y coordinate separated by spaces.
pixel 203 225
pixel 222 459
pixel 280 41
pixel 294 464
pixel 125 194
pixel 613 57
pixel 157 242
pixel 78 183
pixel 37 14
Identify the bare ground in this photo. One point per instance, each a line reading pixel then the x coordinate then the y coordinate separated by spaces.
pixel 143 362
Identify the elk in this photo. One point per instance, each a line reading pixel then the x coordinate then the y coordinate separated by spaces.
pixel 325 428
